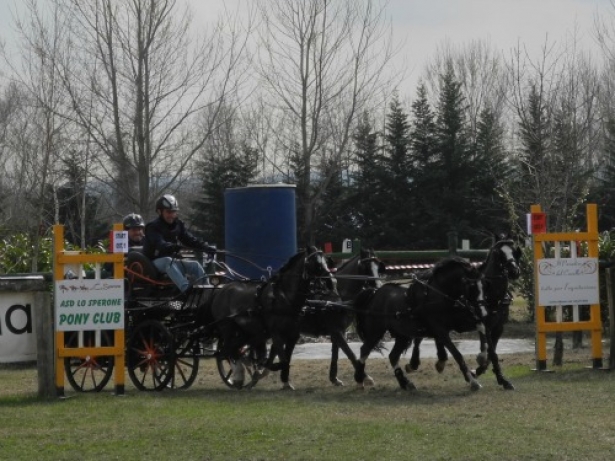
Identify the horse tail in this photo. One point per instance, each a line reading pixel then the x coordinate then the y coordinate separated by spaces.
pixel 361 303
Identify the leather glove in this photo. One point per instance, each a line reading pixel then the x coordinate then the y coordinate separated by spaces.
pixel 175 248
pixel 210 249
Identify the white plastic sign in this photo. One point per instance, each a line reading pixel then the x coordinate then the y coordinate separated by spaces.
pixel 568 281
pixel 120 242
pixel 82 305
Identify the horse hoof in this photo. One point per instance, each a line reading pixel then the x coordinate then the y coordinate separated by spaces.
pixel 409 386
pixel 288 387
pixel 368 381
pixel 440 364
pixel 409 368
pixel 336 382
pixel 508 386
pixel 482 360
pixel 260 374
pixel 475 386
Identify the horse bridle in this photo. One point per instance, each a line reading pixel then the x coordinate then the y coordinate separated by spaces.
pixel 504 266
pixel 369 283
pixel 306 261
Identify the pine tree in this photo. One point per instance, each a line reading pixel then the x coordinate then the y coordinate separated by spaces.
pixel 220 172
pixel 398 208
pixel 492 174
pixel 423 152
pixel 531 185
pixel 367 200
pixel 603 190
pixel 453 169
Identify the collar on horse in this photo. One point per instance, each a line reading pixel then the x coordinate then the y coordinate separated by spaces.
pixel 460 302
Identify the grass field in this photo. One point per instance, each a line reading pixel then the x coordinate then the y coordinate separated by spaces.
pixel 564 415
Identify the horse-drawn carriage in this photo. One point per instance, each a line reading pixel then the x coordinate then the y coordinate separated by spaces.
pixel 245 325
pixel 168 333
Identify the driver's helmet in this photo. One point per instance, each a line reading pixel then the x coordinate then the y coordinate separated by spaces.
pixel 167 202
pixel 133 220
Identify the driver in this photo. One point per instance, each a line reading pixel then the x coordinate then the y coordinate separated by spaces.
pixel 165 236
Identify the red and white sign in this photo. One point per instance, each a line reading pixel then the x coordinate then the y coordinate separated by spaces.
pixel 537 223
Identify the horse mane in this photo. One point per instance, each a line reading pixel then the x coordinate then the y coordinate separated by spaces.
pixel 452 261
pixel 293 259
pixel 362 254
pixel 290 263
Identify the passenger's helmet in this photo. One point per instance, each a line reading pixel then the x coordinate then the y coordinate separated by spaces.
pixel 133 220
pixel 167 202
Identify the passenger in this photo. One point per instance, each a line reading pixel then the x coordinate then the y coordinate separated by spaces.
pixel 135 226
pixel 165 236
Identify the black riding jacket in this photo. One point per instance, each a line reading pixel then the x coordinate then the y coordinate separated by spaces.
pixel 161 239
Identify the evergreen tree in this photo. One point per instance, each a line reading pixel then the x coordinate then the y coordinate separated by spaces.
pixel 603 189
pixel 367 200
pixel 398 208
pixel 74 199
pixel 531 184
pixel 492 174
pixel 453 169
pixel 334 217
pixel 423 152
pixel 220 172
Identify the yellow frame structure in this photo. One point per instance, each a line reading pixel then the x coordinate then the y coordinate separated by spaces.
pixel 594 324
pixel 61 258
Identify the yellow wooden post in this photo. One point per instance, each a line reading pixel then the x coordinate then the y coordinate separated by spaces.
pixel 539 311
pixel 594 324
pixel 61 258
pixel 58 274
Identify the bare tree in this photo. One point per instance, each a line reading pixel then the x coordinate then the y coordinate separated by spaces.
pixel 138 85
pixel 38 132
pixel 321 63
pixel 555 99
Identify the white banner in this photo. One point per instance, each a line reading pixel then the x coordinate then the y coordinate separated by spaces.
pixel 568 281
pixel 82 305
pixel 17 335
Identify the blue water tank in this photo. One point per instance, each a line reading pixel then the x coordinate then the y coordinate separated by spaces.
pixel 260 228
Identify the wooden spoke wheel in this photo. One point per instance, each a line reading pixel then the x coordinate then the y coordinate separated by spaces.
pixel 226 370
pixel 91 373
pixel 186 367
pixel 150 356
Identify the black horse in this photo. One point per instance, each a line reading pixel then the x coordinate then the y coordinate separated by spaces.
pixel 251 313
pixel 500 266
pixel 325 314
pixel 361 272
pixel 451 299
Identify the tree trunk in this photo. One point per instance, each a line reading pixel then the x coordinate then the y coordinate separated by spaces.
pixel 558 349
pixel 577 339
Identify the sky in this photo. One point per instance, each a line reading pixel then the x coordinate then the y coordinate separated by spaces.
pixel 423 26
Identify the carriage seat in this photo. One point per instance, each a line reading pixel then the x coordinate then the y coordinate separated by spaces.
pixel 140 266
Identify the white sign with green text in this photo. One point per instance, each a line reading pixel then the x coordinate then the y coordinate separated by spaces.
pixel 89 305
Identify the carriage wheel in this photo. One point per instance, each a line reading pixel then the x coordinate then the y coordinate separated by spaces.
pixel 88 374
pixel 224 364
pixel 150 356
pixel 186 367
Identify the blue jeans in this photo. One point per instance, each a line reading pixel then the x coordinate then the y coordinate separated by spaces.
pixel 178 270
